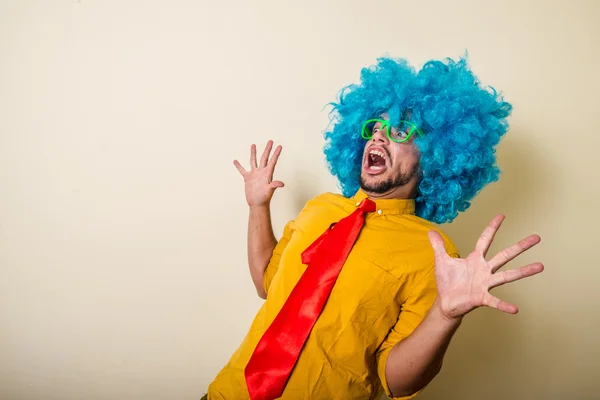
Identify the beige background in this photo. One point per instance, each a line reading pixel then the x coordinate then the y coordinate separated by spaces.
pixel 123 272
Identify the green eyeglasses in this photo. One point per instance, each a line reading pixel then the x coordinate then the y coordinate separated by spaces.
pixel 398 134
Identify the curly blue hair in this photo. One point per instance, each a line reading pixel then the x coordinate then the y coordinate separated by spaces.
pixel 461 120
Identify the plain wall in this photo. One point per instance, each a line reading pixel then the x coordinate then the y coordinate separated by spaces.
pixel 123 269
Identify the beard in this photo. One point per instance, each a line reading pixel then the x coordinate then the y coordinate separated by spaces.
pixel 388 185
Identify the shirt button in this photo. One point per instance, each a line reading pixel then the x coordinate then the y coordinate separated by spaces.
pixel 379 212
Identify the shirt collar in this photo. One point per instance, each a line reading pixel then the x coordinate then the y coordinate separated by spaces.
pixel 388 206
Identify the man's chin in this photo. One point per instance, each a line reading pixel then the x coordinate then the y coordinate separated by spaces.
pixel 375 184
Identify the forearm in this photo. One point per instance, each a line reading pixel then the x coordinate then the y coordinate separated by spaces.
pixel 416 360
pixel 261 242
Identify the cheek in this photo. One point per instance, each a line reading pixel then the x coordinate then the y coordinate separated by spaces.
pixel 406 154
pixel 415 156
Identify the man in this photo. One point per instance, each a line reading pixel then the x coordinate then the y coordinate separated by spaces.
pixel 370 304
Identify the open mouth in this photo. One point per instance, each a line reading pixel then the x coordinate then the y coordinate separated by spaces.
pixel 375 162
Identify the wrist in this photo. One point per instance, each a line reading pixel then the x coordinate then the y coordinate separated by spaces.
pixel 264 207
pixel 443 317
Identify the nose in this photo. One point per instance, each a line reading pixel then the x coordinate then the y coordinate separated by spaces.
pixel 379 135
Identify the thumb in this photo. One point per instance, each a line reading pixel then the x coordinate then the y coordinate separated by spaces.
pixel 438 244
pixel 276 184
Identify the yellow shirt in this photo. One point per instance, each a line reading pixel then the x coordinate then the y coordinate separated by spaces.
pixel 384 290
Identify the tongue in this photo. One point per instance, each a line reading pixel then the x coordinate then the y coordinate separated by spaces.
pixel 376 161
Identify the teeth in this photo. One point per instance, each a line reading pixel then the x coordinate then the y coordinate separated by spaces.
pixel 377 152
pixel 377 167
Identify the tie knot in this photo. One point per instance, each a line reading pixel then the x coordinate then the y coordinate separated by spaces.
pixel 367 205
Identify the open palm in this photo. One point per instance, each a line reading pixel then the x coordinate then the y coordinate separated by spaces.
pixel 258 180
pixel 464 283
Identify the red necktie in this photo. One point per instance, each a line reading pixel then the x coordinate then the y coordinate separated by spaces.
pixel 278 350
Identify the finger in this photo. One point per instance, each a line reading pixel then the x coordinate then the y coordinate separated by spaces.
pixel 276 184
pixel 253 157
pixel 438 245
pixel 494 302
pixel 265 156
pixel 513 251
pixel 515 274
pixel 487 237
pixel 239 167
pixel 276 153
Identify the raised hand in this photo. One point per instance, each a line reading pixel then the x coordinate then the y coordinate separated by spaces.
pixel 463 284
pixel 258 180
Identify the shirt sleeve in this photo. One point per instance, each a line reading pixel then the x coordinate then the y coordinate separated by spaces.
pixel 414 308
pixel 273 265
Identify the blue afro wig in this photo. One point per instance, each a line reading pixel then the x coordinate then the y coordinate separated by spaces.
pixel 462 123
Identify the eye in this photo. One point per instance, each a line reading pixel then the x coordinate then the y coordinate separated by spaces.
pixel 399 133
pixel 371 126
pixel 378 127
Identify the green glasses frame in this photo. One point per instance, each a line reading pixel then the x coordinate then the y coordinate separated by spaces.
pixel 367 134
